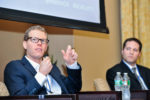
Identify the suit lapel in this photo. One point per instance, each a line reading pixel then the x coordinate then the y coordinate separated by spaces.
pixel 28 66
pixel 57 76
pixel 141 72
pixel 142 75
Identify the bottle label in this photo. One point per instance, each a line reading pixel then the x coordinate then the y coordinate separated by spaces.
pixel 118 82
pixel 129 82
pixel 126 82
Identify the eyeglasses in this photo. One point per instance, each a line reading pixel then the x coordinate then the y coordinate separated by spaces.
pixel 36 40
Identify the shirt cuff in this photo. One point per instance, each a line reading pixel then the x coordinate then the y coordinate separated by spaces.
pixel 40 78
pixel 73 66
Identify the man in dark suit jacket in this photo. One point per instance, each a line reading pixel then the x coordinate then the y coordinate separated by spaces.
pixel 34 74
pixel 131 51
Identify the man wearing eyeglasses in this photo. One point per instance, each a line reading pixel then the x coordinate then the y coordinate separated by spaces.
pixel 34 74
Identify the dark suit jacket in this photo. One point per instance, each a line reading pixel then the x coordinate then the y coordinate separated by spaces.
pixel 19 79
pixel 121 67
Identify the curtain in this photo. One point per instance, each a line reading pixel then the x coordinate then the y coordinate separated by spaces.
pixel 135 22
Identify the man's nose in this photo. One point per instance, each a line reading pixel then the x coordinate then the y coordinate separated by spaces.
pixel 39 42
pixel 131 51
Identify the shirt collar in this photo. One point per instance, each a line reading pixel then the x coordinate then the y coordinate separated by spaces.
pixel 129 66
pixel 35 65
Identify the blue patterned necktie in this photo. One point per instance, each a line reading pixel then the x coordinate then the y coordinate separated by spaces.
pixel 48 86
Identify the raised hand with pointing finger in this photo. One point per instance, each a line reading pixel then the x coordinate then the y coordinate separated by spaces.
pixel 70 56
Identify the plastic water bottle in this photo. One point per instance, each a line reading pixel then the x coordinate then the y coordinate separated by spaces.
pixel 126 87
pixel 118 82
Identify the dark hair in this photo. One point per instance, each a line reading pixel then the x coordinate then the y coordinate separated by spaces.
pixel 133 39
pixel 36 27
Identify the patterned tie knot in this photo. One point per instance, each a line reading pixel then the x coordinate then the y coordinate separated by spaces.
pixel 134 70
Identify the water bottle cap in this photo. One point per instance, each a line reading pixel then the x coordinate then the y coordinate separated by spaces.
pixel 118 73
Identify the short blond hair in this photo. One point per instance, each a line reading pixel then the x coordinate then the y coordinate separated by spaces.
pixel 36 27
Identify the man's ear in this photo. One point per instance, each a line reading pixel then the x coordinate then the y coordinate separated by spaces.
pixel 25 45
pixel 121 52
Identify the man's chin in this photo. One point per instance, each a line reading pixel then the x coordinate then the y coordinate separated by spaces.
pixel 39 56
pixel 131 62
